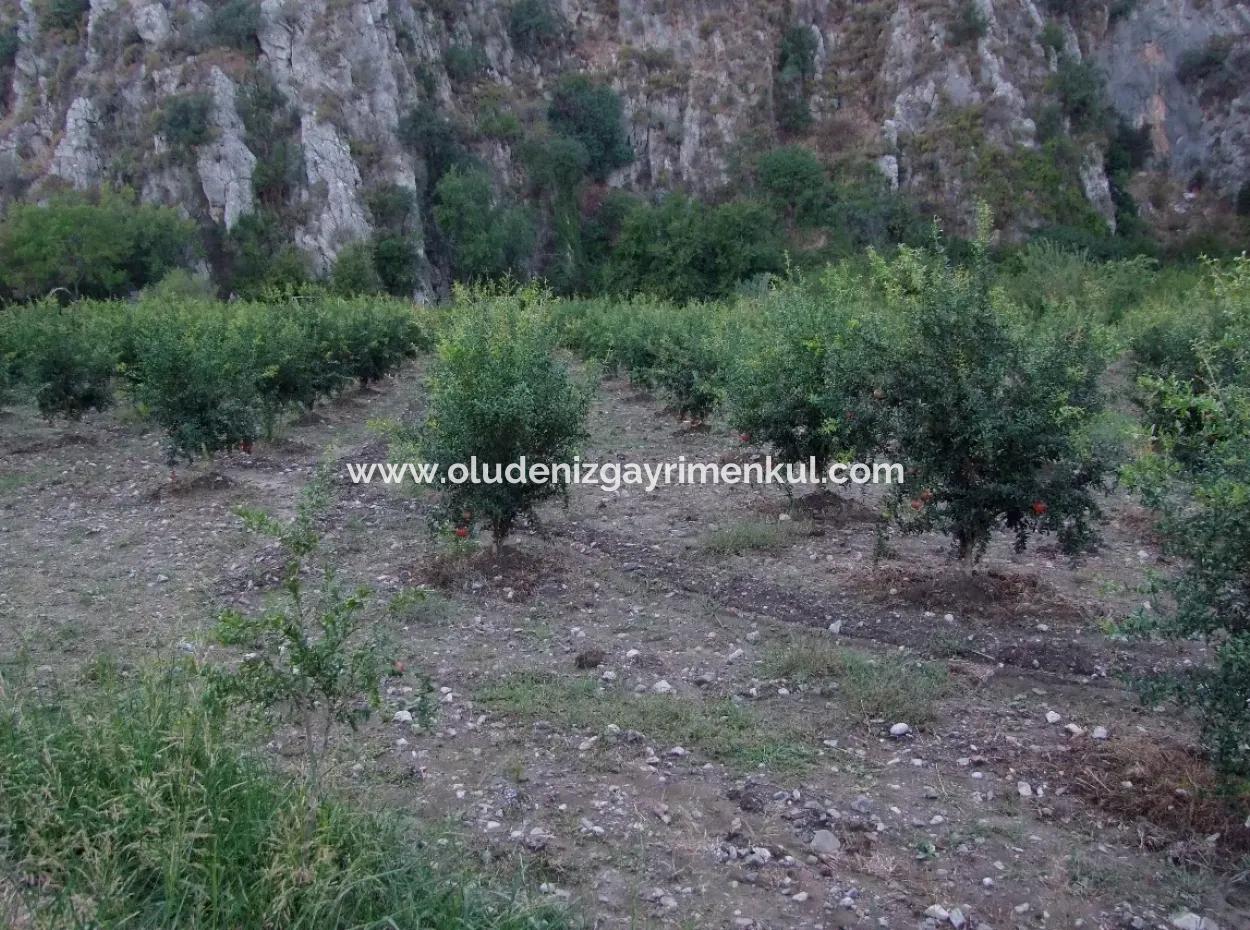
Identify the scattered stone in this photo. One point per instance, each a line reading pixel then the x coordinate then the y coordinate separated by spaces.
pixel 587 744
pixel 1074 730
pixel 402 716
pixel 899 730
pixel 662 687
pixel 956 918
pixel 800 897
pixel 1024 789
pixel 1188 920
pixel 825 843
pixel 1100 733
pixel 937 912
pixel 1052 717
pixel 753 636
pixel 836 627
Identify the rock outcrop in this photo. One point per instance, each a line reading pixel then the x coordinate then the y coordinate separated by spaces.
pixel 925 91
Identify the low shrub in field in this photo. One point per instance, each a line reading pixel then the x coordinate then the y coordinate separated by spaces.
pixel 132 805
pixel 198 381
pixel 63 355
pixel 498 393
pixel 989 416
pixel 1199 480
pixel 803 374
pixel 1197 474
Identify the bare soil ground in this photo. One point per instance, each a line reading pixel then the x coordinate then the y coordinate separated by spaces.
pixel 642 700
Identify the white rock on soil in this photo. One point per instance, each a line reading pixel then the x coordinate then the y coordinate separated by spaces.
pixel 402 716
pixel 1052 717
pixel 1099 733
pixel 899 730
pixel 662 687
pixel 1188 920
pixel 825 843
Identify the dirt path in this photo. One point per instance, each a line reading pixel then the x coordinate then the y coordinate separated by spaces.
pixel 667 732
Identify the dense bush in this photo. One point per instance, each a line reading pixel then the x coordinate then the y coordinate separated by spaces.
pixel 990 416
pixel 795 182
pixel 65 356
pixel 102 245
pixel 1079 87
pixel 464 62
pixel 969 24
pixel 802 377
pixel 1205 64
pixel 497 394
pixel 62 14
pixel 1197 474
pixel 681 249
pixel 487 238
pixel 432 136
pixel 535 25
pixel 260 258
pixel 354 272
pixel 796 66
pixel 230 23
pixel 184 121
pixel 10 43
pixel 591 112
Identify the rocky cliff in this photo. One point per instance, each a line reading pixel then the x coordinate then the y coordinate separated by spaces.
pixel 946 98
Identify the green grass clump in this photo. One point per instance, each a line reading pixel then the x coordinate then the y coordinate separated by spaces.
pixel 133 808
pixel 748 536
pixel 721 730
pixel 873 688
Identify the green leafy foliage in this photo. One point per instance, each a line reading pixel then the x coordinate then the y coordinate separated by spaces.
pixel 681 249
pixel 184 121
pixel 260 258
pixel 1079 87
pixel 536 25
pixel 102 245
pixel 795 182
pixel 804 376
pixel 464 63
pixel 991 416
pixel 311 660
pixel 969 24
pixel 432 136
pixel 497 394
pixel 488 238
pixel 796 66
pixel 62 15
pixel 354 271
pixel 591 112
pixel 1197 475
pixel 190 829
pixel 232 24
pixel 62 354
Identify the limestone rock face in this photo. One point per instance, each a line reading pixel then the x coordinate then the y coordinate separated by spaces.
pixel 225 164
pixel 899 85
pixel 77 158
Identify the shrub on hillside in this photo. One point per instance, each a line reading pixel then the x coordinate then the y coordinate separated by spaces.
pixel 497 393
pixel 681 249
pixel 488 238
pixel 464 62
pixel 591 112
pixel 796 67
pixel 62 15
pixel 432 136
pixel 969 24
pixel 260 258
pixel 535 25
pixel 796 183
pixel 184 121
pixel 1079 87
pixel 354 272
pixel 230 23
pixel 63 354
pixel 101 245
